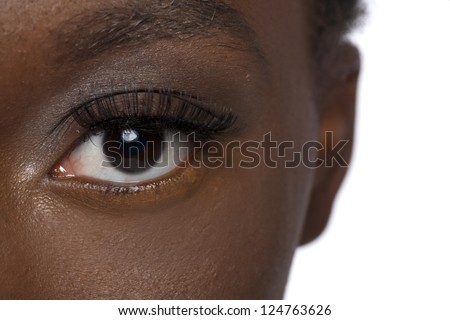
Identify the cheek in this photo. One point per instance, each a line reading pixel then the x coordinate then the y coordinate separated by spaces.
pixel 233 239
pixel 249 229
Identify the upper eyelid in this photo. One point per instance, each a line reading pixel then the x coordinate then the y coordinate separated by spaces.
pixel 104 106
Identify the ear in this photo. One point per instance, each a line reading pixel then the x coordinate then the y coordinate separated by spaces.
pixel 337 116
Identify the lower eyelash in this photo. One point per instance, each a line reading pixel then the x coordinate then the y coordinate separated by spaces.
pixel 184 178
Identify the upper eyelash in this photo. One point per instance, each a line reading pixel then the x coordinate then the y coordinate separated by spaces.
pixel 172 108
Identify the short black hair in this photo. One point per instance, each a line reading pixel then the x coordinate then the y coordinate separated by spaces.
pixel 333 20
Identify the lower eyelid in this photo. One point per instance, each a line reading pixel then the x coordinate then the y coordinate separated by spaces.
pixel 114 198
pixel 110 198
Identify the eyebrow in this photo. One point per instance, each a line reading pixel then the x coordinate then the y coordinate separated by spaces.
pixel 138 22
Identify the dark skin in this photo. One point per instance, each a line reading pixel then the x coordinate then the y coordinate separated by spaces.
pixel 203 233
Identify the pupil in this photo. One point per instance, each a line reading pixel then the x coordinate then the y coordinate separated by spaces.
pixel 133 151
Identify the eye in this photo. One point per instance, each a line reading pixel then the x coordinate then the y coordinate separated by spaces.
pixel 127 156
pixel 138 138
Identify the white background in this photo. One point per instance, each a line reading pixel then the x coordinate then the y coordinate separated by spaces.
pixel 386 252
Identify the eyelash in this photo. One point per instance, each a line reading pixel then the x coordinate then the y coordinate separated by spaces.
pixel 150 109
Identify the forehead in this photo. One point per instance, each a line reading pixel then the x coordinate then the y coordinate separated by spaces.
pixel 40 40
pixel 24 22
pixel 60 9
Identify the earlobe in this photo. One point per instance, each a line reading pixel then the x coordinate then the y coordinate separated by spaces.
pixel 337 116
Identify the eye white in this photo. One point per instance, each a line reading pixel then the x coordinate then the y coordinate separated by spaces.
pixel 89 160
